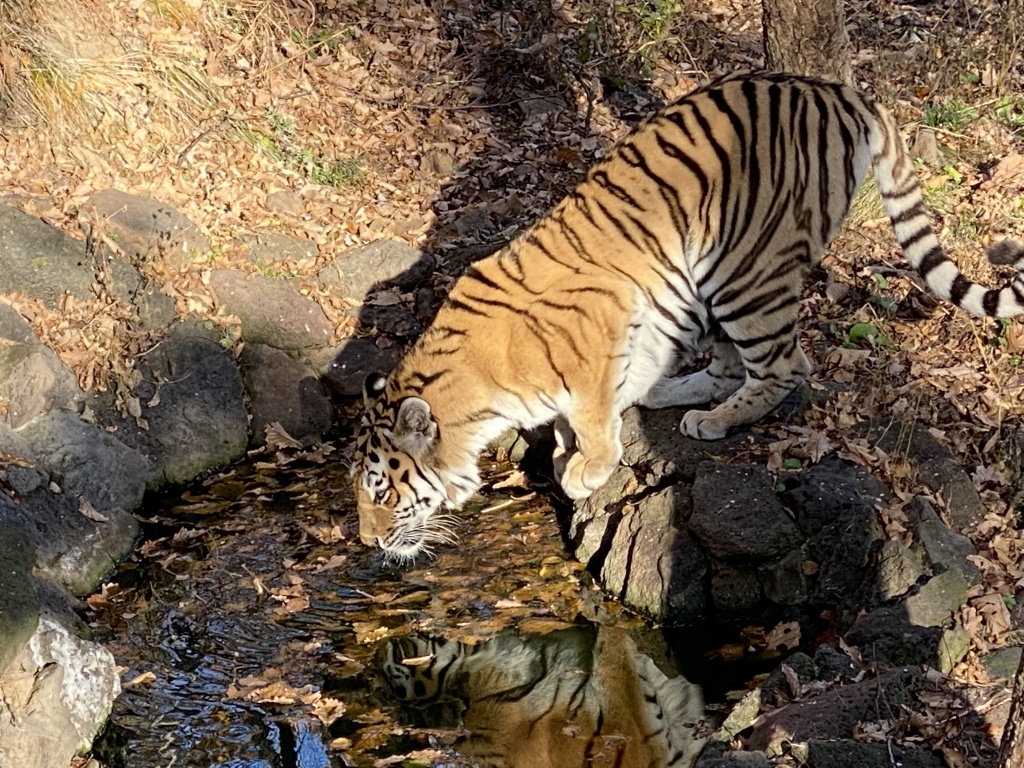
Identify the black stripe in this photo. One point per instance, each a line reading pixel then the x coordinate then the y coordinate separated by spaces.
pixel 917 209
pixel 932 260
pixel 990 303
pixel 957 291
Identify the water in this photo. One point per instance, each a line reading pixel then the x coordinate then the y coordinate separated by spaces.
pixel 256 631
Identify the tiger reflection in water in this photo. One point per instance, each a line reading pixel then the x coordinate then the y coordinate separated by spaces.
pixel 571 698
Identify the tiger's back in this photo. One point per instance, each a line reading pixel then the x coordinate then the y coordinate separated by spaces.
pixel 696 231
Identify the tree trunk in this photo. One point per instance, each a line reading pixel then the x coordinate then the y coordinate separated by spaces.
pixel 807 37
pixel 1011 748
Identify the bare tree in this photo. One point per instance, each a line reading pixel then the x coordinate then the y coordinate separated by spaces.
pixel 807 37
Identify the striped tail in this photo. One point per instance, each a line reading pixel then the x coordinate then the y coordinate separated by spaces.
pixel 901 197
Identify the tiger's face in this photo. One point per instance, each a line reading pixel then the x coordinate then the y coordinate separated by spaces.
pixel 399 493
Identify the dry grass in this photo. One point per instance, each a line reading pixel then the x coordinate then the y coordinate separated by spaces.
pixel 62 67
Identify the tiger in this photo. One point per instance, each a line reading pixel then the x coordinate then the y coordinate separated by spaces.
pixel 576 696
pixel 693 235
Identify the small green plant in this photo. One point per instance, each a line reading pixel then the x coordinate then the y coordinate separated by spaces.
pixel 1010 112
pixel 279 144
pixel 1010 601
pixel 862 332
pixel 951 115
pixel 880 296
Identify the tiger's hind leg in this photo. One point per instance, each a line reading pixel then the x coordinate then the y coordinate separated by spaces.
pixel 774 364
pixel 723 376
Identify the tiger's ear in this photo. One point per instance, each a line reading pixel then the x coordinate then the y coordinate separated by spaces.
pixel 415 430
pixel 372 387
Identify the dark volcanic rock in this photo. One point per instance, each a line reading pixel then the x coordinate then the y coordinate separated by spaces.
pixel 19 603
pixel 736 513
pixel 88 462
pixel 835 504
pixel 886 634
pixel 71 549
pixel 344 368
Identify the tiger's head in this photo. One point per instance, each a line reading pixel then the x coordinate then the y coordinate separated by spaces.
pixel 400 488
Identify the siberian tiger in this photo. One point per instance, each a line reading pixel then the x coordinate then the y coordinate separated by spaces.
pixel 696 231
pixel 573 697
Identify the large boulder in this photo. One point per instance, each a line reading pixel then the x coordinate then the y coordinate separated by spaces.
pixel 192 415
pixel 58 692
pixel 43 263
pixel 33 380
pixel 271 312
pixel 147 230
pixel 75 546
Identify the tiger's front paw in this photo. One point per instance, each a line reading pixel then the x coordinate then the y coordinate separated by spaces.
pixel 703 425
pixel 583 476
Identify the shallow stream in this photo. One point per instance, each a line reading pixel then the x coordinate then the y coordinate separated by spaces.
pixel 255 630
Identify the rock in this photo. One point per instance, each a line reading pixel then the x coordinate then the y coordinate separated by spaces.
pixel 539 104
pixel 953 647
pixel 899 568
pixel 382 263
pixel 944 548
pixel 58 691
pixel 886 634
pixel 735 591
pixel 847 753
pixel 437 163
pixel 283 390
pixel 40 261
pixel 737 515
pixel 273 248
pixel 926 148
pixel 71 549
pixel 156 309
pixel 937 468
pixel 835 503
pixel 947 478
pixel 739 718
pixel 87 462
pixel 937 601
pixel 667 580
pixel 588 528
pixel 147 230
pixel 798 662
pixel 272 312
pixel 831 664
pixel 391 320
pixel 343 369
pixel 784 581
pixel 738 759
pixel 19 603
pixel 651 440
pixel 512 443
pixel 833 713
pixel 192 407
pixel 1002 662
pixel 33 380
